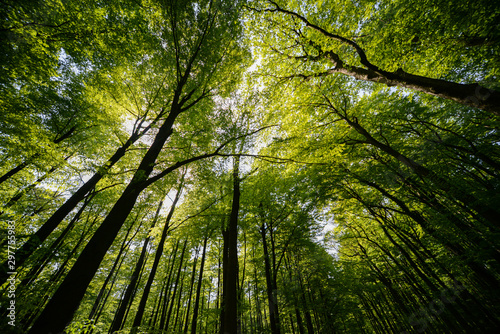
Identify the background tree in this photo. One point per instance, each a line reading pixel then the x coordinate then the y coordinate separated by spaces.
pixel 294 199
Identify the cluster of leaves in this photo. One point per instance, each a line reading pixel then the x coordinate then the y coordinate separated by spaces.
pixel 363 208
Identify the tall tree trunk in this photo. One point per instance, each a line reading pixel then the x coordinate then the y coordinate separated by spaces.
pixel 59 311
pixel 145 294
pixel 111 273
pixel 178 307
pixel 194 321
pixel 176 287
pixel 191 286
pixel 58 216
pixel 271 289
pixel 131 288
pixel 230 279
pixel 55 277
pixel 165 297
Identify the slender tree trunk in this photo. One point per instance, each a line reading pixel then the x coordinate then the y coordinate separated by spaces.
pixel 178 308
pixel 194 321
pixel 191 286
pixel 131 288
pixel 165 298
pixel 300 324
pixel 102 305
pixel 112 271
pixel 219 300
pixel 230 279
pixel 145 294
pixel 176 287
pixel 59 311
pixel 271 289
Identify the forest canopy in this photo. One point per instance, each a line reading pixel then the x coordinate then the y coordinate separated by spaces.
pixel 250 166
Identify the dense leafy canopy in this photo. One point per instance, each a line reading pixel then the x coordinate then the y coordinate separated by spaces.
pixel 252 166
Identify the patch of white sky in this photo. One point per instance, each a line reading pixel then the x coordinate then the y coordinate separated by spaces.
pixel 258 143
pixel 327 224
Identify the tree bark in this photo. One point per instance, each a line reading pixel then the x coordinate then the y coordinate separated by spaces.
pixel 271 286
pixel 57 217
pixel 194 321
pixel 145 294
pixel 191 287
pixel 164 296
pixel 177 279
pixel 230 274
pixel 472 95
pixel 59 311
pixel 131 288
pixel 111 273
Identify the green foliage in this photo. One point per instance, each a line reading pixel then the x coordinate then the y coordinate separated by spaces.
pixel 377 206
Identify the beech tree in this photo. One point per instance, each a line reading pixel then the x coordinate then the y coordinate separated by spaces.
pixel 349 47
pixel 249 167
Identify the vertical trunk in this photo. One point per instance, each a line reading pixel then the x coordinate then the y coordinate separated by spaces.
pixel 102 305
pixel 271 291
pixel 305 304
pixel 164 298
pixel 299 321
pixel 300 324
pixel 131 288
pixel 178 307
pixel 176 287
pixel 157 303
pixel 152 273
pixel 218 300
pixel 240 286
pixel 224 274
pixel 191 286
pixel 258 320
pixel 198 290
pixel 230 279
pixel 292 326
pixel 118 259
pixel 250 306
pixel 59 311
